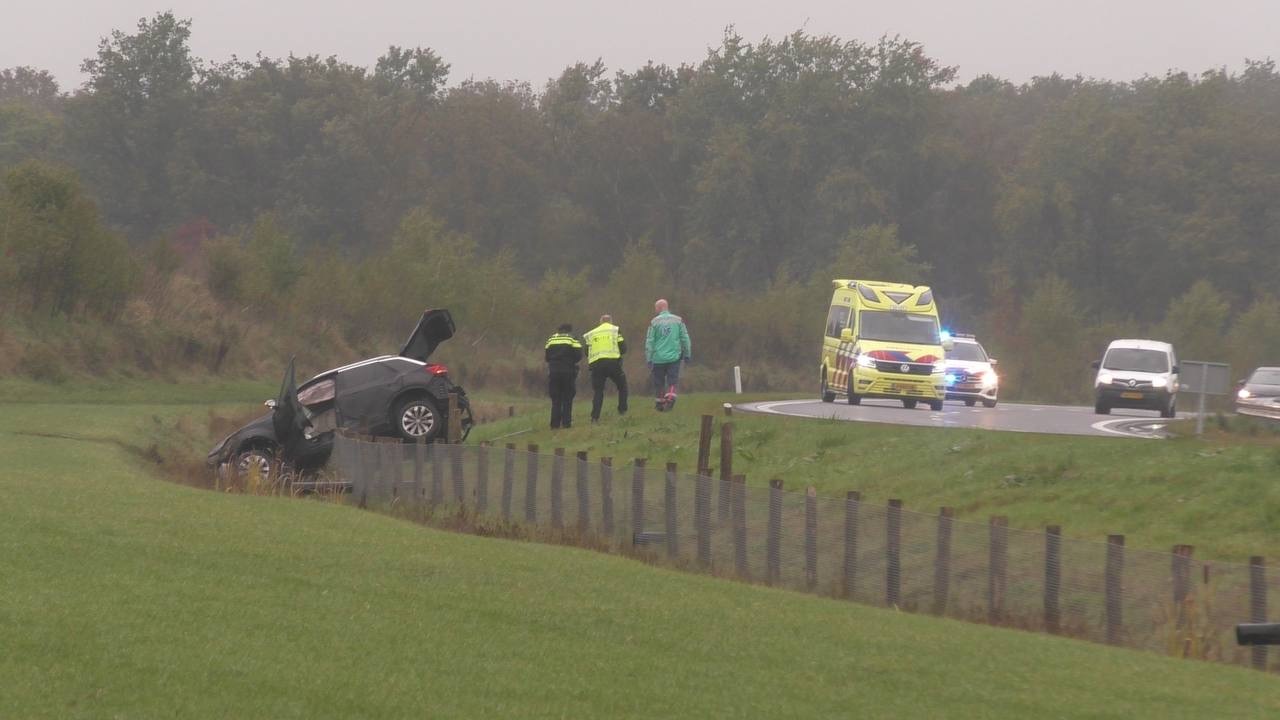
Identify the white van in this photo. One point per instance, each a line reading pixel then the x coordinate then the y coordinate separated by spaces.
pixel 1140 374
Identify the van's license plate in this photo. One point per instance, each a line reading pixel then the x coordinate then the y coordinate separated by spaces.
pixel 898 388
pixel 1131 395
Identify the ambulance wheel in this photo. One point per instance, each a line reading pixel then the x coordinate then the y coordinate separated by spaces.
pixel 935 405
pixel 909 404
pixel 853 397
pixel 828 396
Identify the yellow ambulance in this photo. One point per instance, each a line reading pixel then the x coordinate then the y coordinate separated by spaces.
pixel 883 340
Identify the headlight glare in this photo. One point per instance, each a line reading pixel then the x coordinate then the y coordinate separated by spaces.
pixel 1159 382
pixel 990 379
pixel 1105 379
pixel 866 361
pixel 1244 394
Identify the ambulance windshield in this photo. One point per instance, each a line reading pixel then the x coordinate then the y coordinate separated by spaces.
pixel 889 326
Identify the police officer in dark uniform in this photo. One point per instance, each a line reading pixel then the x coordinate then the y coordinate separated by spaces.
pixel 564 352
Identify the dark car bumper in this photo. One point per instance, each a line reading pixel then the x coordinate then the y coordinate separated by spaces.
pixel 1263 407
pixel 1134 398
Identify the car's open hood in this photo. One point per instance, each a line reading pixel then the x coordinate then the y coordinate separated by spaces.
pixel 435 327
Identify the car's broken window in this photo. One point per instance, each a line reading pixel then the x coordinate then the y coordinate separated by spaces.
pixel 316 394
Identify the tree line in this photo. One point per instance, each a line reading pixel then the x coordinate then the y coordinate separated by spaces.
pixel 318 198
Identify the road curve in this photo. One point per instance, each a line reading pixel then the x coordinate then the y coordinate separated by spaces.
pixel 1006 417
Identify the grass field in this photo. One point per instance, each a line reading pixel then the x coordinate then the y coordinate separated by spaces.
pixel 1220 494
pixel 125 596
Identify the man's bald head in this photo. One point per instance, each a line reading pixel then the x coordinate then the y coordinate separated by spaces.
pixel 660 306
pixel 606 318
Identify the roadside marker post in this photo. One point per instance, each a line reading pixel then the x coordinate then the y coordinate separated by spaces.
pixel 737 379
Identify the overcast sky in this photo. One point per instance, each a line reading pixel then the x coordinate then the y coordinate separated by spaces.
pixel 533 40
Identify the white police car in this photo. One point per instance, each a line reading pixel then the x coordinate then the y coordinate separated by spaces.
pixel 970 373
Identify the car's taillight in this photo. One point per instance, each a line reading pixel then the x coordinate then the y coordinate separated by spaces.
pixel 436 369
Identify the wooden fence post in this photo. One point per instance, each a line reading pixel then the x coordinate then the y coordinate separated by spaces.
pixel 738 495
pixel 669 509
pixel 531 486
pixel 811 538
pixel 606 496
pixel 773 537
pixel 419 469
pixel 704 444
pixel 726 468
pixel 942 562
pixel 360 483
pixel 637 498
pixel 459 474
pixel 584 493
pixel 454 430
pixel 557 489
pixel 852 499
pixel 508 480
pixel 437 473
pixel 1114 588
pixel 482 477
pixel 1052 578
pixel 702 516
pixel 1181 572
pixel 893 554
pixel 1258 605
pixel 997 567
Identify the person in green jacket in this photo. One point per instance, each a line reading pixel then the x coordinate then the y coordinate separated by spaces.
pixel 665 347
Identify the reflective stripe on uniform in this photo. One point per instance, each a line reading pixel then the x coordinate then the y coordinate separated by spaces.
pixel 560 339
pixel 602 343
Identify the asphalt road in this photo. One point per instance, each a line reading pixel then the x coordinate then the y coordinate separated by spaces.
pixel 1007 417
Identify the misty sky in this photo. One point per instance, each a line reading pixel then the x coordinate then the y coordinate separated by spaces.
pixel 533 40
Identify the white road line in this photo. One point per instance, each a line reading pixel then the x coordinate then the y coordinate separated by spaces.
pixel 1105 426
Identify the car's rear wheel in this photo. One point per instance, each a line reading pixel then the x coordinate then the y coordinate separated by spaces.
pixel 909 404
pixel 416 418
pixel 970 403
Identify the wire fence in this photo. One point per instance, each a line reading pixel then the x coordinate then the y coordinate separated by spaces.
pixel 883 555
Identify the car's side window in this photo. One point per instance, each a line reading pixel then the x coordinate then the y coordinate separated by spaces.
pixel 318 393
pixel 837 320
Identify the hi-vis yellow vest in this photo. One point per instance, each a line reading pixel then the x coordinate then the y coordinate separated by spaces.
pixel 602 343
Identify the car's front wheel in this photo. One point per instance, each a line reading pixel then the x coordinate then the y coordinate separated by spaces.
pixel 969 402
pixel 254 460
pixel 417 419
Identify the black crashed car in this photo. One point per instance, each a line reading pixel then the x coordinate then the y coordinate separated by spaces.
pixel 401 396
pixel 1259 395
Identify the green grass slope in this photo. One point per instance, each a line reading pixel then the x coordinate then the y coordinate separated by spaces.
pixel 125 596
pixel 1219 494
